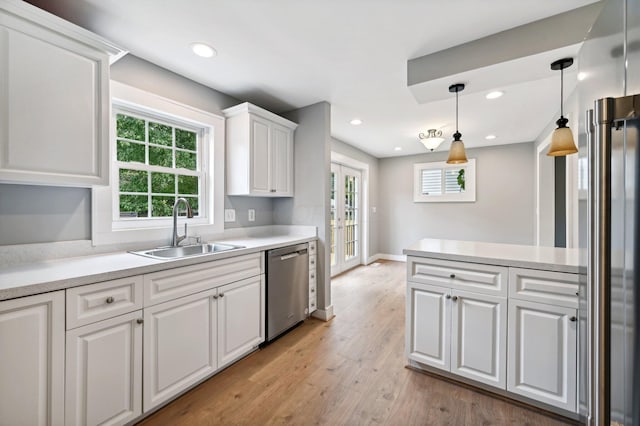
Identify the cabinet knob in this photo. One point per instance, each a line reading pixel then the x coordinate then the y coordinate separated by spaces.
pixel 573 319
pixel 273 190
pixel 452 276
pixel 221 294
pixel 110 299
pixel 448 296
pixel 215 296
pixel 454 298
pixel 139 320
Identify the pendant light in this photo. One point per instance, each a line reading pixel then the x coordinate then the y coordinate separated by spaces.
pixel 432 139
pixel 562 138
pixel 457 154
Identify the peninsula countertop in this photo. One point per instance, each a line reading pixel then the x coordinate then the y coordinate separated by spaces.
pixel 522 256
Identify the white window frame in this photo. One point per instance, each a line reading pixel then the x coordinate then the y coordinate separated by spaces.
pixel 469 194
pixel 107 226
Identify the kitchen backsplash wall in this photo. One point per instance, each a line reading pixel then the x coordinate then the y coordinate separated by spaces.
pixel 34 214
pixel 503 211
pixel 41 214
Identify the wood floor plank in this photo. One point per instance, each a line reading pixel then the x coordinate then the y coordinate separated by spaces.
pixel 348 371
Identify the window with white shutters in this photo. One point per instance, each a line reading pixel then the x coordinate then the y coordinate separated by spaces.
pixel 442 182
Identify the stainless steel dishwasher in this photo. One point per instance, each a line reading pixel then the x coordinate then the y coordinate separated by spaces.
pixel 287 288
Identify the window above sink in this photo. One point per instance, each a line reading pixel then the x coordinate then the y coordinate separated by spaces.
pixel 160 150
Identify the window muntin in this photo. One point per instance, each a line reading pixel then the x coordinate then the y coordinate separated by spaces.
pixel 442 182
pixel 157 161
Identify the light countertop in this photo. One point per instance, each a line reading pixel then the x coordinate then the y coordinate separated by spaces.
pixel 534 257
pixel 44 276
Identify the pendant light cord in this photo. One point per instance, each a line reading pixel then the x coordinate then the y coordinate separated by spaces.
pixel 561 90
pixel 457 112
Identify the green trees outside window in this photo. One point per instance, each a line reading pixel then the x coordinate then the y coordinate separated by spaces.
pixel 157 163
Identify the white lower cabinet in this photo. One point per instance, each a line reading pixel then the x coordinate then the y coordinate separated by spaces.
pixel 240 318
pixel 104 372
pixel 179 345
pixel 428 315
pixel 479 337
pixel 32 360
pixel 457 331
pixel 542 352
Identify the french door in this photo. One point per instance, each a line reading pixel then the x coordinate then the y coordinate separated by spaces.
pixel 346 229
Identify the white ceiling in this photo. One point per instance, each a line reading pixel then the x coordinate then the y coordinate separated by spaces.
pixel 286 54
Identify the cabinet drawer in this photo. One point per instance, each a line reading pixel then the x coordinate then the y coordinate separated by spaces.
pixel 312 247
pixel 171 284
pixel 555 288
pixel 95 302
pixel 479 278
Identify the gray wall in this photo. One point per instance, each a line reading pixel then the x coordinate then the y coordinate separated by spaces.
pixel 352 152
pixel 310 204
pixel 503 211
pixel 37 214
pixel 32 214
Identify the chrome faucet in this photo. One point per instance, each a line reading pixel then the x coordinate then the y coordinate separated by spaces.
pixel 175 240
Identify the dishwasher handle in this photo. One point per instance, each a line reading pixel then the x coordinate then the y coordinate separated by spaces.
pixel 294 254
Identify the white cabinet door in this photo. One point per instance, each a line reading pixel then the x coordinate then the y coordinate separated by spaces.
pixel 240 318
pixel 542 352
pixel 32 360
pixel 428 316
pixel 281 160
pixel 260 156
pixel 54 102
pixel 259 152
pixel 478 341
pixel 104 372
pixel 179 345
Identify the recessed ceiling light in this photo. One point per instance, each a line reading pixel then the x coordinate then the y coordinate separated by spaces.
pixel 203 50
pixel 494 95
pixel 397 148
pixel 356 122
pixel 490 137
pixel 582 76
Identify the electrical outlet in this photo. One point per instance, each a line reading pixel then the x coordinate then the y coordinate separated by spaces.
pixel 229 215
pixel 252 215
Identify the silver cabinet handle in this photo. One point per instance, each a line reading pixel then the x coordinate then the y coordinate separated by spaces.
pixel 454 298
pixel 448 296
pixel 110 299
pixel 139 320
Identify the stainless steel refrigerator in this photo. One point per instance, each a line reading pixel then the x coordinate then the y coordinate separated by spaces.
pixel 609 364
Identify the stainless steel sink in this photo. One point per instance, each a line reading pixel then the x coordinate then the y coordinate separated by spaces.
pixel 186 251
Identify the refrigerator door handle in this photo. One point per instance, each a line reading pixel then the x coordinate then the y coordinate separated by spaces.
pixel 599 258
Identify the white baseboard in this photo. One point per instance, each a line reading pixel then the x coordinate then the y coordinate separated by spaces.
pixel 324 314
pixel 372 259
pixel 386 256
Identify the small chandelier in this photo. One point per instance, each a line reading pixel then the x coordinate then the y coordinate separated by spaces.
pixel 562 143
pixel 432 139
pixel 457 153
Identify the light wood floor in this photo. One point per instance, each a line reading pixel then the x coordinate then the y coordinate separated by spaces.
pixel 348 371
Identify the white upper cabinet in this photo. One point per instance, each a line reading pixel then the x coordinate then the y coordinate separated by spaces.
pixel 54 100
pixel 259 152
